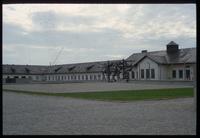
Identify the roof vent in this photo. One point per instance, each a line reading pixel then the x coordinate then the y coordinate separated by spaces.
pixel 172 47
pixel 144 51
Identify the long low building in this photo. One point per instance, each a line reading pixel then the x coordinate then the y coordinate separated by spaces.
pixel 170 64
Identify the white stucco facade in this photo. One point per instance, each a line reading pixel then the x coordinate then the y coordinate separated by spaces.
pixel 162 71
pixel 148 64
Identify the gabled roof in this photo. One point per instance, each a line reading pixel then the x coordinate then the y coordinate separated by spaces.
pixel 56 69
pixel 24 69
pixel 187 55
pixel 172 43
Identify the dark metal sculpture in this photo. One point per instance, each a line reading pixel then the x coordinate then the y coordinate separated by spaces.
pixel 115 68
pixel 13 70
pixel 27 70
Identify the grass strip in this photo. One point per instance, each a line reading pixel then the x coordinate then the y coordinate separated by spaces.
pixel 122 95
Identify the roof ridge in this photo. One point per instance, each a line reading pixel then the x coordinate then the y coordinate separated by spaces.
pixel 163 50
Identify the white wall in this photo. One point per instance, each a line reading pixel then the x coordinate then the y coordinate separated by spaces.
pixel 178 67
pixel 147 63
pixel 74 77
pixel 135 70
pixel 163 72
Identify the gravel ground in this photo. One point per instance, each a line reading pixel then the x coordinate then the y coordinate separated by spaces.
pixel 87 87
pixel 45 115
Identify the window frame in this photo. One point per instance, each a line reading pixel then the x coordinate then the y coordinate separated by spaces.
pixel 142 73
pixel 180 75
pixel 147 73
pixel 174 74
pixel 152 73
pixel 133 74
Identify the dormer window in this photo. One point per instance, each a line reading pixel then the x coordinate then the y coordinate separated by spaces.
pixel 89 67
pixel 56 70
pixel 71 68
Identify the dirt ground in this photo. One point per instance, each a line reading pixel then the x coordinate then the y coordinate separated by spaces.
pixel 46 115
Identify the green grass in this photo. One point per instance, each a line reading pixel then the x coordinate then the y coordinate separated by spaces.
pixel 123 95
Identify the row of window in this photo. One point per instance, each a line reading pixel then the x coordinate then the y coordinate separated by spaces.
pixel 74 77
pixel 148 73
pixel 16 77
pixel 180 74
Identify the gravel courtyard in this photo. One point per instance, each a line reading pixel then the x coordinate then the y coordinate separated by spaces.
pixel 31 114
pixel 88 87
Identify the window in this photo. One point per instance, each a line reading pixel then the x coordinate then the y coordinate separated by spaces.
pixel 44 78
pixel 174 74
pixel 78 77
pixel 99 76
pixel 75 77
pixel 180 72
pixel 152 73
pixel 147 73
pixel 187 74
pixel 82 77
pixel 23 76
pixel 142 73
pixel 133 75
pixel 90 77
pixel 95 77
pixel 86 77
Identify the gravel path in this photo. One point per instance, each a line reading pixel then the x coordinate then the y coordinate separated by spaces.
pixel 87 87
pixel 33 115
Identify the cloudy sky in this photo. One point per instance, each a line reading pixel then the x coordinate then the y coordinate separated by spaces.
pixel 36 34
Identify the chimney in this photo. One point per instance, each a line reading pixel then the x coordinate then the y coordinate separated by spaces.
pixel 172 47
pixel 144 51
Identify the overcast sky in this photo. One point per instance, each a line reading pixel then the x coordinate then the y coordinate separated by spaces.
pixel 36 33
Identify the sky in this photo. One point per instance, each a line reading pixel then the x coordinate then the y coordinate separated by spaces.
pixel 44 34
